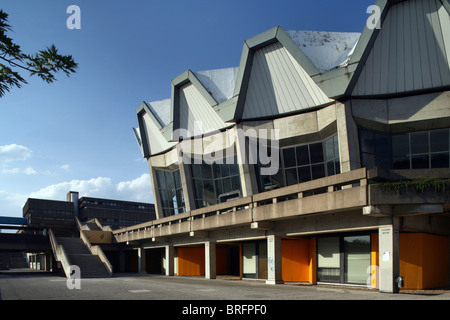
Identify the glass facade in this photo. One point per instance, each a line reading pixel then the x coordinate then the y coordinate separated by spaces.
pixel 215 183
pixel 170 192
pixel 303 163
pixel 411 150
pixel 343 259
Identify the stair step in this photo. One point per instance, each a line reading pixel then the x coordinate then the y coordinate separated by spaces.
pixel 90 265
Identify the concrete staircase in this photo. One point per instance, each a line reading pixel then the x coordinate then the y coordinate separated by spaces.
pixel 90 265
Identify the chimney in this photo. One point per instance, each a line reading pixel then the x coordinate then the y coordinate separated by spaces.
pixel 72 196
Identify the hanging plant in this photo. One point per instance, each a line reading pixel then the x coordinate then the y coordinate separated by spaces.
pixel 420 185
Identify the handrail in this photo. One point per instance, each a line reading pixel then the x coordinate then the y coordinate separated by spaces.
pixel 95 250
pixel 328 184
pixel 60 253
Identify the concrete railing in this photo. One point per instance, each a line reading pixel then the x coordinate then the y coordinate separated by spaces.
pixel 343 191
pixel 95 250
pixel 60 254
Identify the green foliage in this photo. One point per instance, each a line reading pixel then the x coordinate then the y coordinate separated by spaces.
pixel 44 63
pixel 420 185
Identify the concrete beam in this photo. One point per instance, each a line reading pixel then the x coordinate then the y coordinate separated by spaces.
pixel 199 234
pixel 262 225
pixel 404 209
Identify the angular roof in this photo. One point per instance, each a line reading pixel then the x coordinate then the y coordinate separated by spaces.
pixel 280 73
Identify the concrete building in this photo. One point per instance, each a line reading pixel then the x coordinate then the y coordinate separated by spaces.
pixel 322 158
pixel 60 215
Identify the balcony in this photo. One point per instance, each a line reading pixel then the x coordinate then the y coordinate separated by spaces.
pixel 335 193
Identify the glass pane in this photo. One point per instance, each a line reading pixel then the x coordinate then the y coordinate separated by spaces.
pixel 419 142
pixel 366 139
pixel 330 168
pixel 316 152
pixel 440 160
pixel 219 186
pixel 400 145
pixel 328 259
pixel 401 163
pixel 225 170
pixel 170 183
pixel 227 185
pixel 329 149
pixel 357 258
pixel 439 140
pixel 304 174
pixel 217 171
pixel 337 166
pixel 382 144
pixel 291 176
pixel 336 147
pixel 198 188
pixel 234 169
pixel 368 160
pixel 420 161
pixel 177 177
pixel 196 170
pixel 302 155
pixel 289 157
pixel 249 260
pixel 236 183
pixel 206 171
pixel 160 178
pixel 318 171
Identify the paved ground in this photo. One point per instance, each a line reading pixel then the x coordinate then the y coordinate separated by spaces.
pixel 45 286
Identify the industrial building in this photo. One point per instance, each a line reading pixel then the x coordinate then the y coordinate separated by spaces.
pixel 323 157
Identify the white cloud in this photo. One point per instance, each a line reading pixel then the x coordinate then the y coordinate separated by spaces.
pixel 14 152
pixel 11 204
pixel 65 167
pixel 27 171
pixel 138 189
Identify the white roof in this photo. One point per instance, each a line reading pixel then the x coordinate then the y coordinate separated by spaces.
pixel 219 83
pixel 161 111
pixel 326 50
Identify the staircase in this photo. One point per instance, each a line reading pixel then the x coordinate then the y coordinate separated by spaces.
pixel 90 265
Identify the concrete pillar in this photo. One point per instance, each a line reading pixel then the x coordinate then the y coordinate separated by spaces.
pixel 141 261
pixel 121 261
pixel 169 260
pixel 48 261
pixel 389 261
pixel 210 260
pixel 274 275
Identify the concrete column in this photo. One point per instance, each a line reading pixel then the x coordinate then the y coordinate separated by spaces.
pixel 169 260
pixel 389 261
pixel 48 262
pixel 210 260
pixel 141 261
pixel 274 275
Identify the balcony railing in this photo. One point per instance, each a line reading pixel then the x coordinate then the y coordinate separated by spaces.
pixel 339 192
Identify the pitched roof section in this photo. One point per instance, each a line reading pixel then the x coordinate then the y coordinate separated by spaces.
pixel 192 106
pixel 411 52
pixel 149 134
pixel 279 85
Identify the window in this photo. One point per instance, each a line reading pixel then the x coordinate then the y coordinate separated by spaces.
pixel 343 259
pixel 216 183
pixel 303 163
pixel 412 150
pixel 311 161
pixel 170 192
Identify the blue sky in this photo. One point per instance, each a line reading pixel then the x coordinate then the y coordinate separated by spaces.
pixel 76 134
